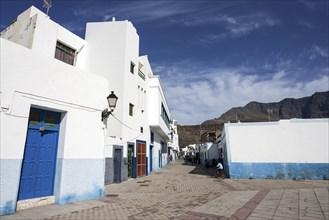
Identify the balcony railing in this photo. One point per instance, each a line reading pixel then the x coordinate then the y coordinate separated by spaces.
pixel 141 74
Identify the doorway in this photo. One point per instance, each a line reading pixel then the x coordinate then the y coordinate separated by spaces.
pixel 141 158
pixel 117 165
pixel 151 158
pixel 40 154
pixel 130 160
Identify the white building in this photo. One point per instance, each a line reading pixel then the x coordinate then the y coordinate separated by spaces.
pixel 113 52
pixel 53 89
pixel 159 121
pixel 173 144
pixel 208 152
pixel 139 128
pixel 51 133
pixel 287 149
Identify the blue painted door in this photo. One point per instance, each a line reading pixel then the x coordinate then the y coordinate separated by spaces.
pixel 38 168
pixel 151 158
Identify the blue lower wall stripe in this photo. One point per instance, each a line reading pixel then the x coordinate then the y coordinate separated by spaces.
pixel 10 171
pixel 297 171
pixel 147 170
pixel 79 179
pixel 134 167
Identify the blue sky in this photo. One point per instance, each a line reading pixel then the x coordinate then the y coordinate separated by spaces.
pixel 214 55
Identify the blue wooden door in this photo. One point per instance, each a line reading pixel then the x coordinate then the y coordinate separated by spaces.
pixel 38 168
pixel 151 158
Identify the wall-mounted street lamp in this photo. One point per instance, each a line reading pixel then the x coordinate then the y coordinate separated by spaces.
pixel 112 100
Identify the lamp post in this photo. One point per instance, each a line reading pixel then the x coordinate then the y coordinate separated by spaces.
pixel 112 101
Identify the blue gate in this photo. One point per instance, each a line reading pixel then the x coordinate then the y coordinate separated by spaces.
pixel 38 168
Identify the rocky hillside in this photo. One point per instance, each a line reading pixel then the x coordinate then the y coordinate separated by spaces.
pixel 315 106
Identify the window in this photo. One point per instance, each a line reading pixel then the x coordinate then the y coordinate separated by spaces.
pixel 164 115
pixel 152 137
pixel 142 130
pixel 64 53
pixel 141 74
pixel 132 67
pixel 163 147
pixel 131 109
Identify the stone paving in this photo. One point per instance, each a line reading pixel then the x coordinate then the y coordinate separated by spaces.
pixel 183 192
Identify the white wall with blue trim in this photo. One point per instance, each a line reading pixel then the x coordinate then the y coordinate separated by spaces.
pixel 287 149
pixel 30 79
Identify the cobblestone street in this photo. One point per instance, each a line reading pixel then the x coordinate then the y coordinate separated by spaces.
pixel 181 191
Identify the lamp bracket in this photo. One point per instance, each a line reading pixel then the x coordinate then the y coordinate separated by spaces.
pixel 106 113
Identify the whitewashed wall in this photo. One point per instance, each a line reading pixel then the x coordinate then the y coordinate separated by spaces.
pixel 35 30
pixel 295 143
pixel 29 79
pixel 110 49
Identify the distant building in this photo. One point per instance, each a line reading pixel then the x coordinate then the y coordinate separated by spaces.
pixel 208 147
pixel 209 152
pixel 210 136
pixel 173 144
pixel 287 149
pixel 54 145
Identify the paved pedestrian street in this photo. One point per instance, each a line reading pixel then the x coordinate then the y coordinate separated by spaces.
pixel 182 191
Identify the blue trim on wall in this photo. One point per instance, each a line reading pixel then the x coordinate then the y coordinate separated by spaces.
pixel 10 170
pixel 134 168
pixel 296 171
pixel 140 141
pixel 96 193
pixel 147 170
pixel 151 159
pixel 79 179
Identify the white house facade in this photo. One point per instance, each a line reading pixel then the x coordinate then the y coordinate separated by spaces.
pixel 287 149
pixel 51 133
pixel 173 144
pixel 159 121
pixel 113 52
pixel 54 145
pixel 208 152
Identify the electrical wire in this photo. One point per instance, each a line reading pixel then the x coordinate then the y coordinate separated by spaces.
pixel 124 123
pixel 123 142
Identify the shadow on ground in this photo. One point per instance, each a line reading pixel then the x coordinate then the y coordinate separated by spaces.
pixel 200 169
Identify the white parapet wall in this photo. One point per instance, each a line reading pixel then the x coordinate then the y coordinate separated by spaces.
pixel 288 149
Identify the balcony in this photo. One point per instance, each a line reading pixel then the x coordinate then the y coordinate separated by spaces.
pixel 141 74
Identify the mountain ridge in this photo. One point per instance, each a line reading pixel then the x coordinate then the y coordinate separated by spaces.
pixel 314 106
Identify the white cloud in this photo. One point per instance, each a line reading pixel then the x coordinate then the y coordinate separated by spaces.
pixel 74 26
pixel 306 24
pixel 208 93
pixel 139 11
pixel 309 4
pixel 317 51
pixel 186 13
pixel 241 25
